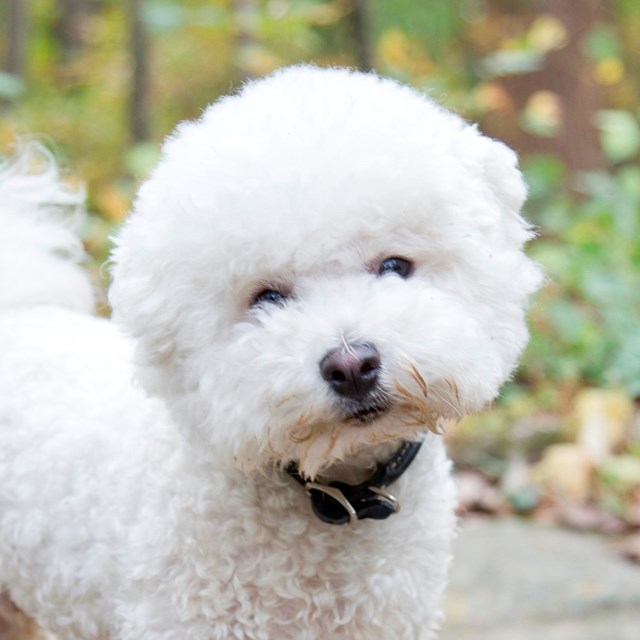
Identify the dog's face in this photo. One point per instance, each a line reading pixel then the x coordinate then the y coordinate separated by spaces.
pixel 325 262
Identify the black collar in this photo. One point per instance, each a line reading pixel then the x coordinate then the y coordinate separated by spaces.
pixel 339 502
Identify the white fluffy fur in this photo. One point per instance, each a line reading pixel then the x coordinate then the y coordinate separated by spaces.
pixel 149 502
pixel 39 250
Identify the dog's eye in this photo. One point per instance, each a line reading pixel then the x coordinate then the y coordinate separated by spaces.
pixel 399 266
pixel 269 296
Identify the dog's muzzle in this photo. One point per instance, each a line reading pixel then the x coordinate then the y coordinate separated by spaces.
pixel 339 502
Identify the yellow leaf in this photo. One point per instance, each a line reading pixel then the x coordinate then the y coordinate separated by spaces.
pixel 393 47
pixel 603 418
pixel 547 33
pixel 258 61
pixel 609 71
pixel 543 113
pixel 491 96
pixel 397 50
pixel 112 204
pixel 565 469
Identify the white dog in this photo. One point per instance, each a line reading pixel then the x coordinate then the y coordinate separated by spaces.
pixel 322 270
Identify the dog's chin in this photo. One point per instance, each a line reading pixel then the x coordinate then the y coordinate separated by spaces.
pixel 357 442
pixel 353 433
pixel 366 411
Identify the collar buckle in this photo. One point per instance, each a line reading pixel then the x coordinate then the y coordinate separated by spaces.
pixel 336 494
pixel 385 495
pixel 339 502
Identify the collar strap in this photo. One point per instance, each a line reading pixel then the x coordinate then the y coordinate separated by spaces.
pixel 339 502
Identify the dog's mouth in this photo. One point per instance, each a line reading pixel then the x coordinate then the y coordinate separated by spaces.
pixel 367 413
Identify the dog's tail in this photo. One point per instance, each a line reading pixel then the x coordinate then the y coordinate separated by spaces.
pixel 39 251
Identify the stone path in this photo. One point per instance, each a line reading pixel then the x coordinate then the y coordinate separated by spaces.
pixel 515 580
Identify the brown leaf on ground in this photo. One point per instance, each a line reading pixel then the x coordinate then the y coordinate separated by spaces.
pixel 633 515
pixel 476 493
pixel 629 547
pixel 587 517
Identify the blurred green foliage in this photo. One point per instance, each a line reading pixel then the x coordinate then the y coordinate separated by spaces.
pixel 586 327
pixel 468 54
pixel 585 323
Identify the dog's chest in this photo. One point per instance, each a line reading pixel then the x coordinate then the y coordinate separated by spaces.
pixel 261 563
pixel 248 560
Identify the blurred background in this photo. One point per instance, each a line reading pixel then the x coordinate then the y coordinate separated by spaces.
pixel 103 81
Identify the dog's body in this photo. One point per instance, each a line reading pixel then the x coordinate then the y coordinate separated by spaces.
pixel 259 249
pixel 115 519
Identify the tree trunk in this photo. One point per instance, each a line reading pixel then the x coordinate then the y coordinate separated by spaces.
pixel 16 36
pixel 360 23
pixel 568 74
pixel 70 24
pixel 140 74
pixel 245 13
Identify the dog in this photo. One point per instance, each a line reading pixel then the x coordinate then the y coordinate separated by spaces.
pixel 322 272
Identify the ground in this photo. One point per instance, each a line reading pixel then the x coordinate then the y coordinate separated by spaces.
pixel 515 580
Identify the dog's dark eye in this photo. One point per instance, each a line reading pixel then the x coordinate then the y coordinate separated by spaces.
pixel 269 296
pixel 399 266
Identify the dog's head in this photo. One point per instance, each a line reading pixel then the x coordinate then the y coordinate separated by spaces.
pixel 323 262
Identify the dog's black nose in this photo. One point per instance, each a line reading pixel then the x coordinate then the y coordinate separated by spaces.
pixel 352 370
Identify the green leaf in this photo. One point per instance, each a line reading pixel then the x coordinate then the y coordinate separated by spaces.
pixel 543 173
pixel 620 134
pixel 621 472
pixel 141 159
pixel 511 61
pixel 209 16
pixel 602 43
pixel 164 17
pixel 524 500
pixel 625 368
pixel 11 87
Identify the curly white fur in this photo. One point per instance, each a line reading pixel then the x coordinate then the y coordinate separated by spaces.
pixel 149 502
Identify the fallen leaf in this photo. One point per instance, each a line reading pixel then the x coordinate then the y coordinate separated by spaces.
pixel 603 418
pixel 475 493
pixel 588 517
pixel 566 470
pixel 629 547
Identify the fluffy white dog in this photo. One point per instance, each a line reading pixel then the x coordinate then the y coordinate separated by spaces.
pixel 322 270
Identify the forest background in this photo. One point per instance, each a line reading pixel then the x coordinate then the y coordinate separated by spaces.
pixel 103 81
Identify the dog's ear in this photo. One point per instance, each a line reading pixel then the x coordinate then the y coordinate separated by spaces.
pixel 142 301
pixel 496 166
